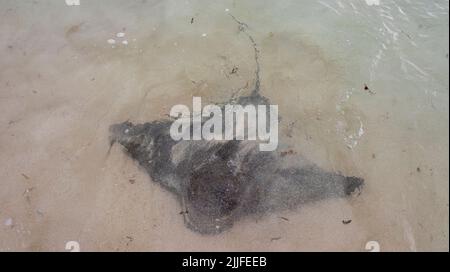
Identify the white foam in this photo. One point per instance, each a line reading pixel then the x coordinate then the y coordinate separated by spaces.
pixel 373 2
pixel 73 2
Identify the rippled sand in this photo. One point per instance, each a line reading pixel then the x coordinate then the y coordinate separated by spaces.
pixel 68 73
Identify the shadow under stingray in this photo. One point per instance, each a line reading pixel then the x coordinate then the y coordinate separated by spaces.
pixel 218 182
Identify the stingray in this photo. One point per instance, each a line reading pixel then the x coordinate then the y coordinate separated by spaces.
pixel 219 182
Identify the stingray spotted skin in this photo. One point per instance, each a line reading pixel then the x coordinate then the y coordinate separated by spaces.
pixel 218 182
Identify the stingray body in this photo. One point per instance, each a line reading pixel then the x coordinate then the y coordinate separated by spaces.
pixel 218 182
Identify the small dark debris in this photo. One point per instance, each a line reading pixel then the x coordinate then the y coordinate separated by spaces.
pixel 366 88
pixel 234 70
pixel 289 152
pixel 346 222
pixel 132 181
pixel 25 176
pixel 130 239
pixel 275 239
pixel 418 169
pixel 184 212
pixel 373 156
pixel 290 129
pixel 284 218
pixel 192 20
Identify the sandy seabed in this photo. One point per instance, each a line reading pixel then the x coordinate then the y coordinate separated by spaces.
pixel 66 76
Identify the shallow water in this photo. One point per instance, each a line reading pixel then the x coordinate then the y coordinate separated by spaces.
pixel 63 83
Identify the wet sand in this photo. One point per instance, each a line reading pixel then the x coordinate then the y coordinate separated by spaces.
pixel 62 85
